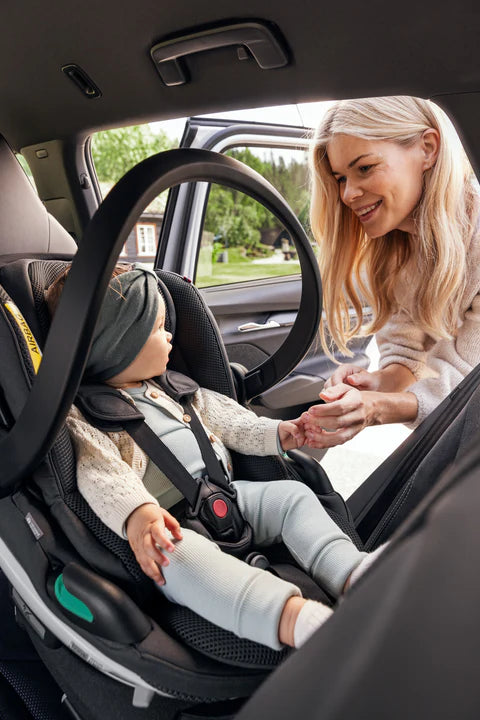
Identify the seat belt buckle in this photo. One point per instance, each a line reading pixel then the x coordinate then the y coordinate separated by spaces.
pixel 217 509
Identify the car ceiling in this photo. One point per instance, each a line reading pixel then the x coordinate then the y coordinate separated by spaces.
pixel 340 49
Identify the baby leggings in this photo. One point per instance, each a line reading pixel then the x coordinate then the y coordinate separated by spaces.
pixel 249 601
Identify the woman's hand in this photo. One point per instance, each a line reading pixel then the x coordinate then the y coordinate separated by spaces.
pixel 345 413
pixel 146 531
pixel 355 376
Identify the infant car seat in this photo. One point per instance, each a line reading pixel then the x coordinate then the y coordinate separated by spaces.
pixel 77 587
pixel 88 562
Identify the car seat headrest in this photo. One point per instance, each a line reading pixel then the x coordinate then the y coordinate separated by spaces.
pixel 25 225
pixel 27 279
pixel 170 314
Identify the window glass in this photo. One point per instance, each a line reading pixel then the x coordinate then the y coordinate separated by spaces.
pixel 26 168
pixel 114 153
pixel 241 239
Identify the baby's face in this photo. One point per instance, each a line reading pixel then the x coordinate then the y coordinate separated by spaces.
pixel 153 357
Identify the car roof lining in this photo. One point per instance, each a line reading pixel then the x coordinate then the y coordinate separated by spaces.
pixel 345 50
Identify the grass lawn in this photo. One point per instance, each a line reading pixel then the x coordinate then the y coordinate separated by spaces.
pixel 239 268
pixel 223 273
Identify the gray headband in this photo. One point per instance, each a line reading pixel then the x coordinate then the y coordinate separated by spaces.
pixel 124 324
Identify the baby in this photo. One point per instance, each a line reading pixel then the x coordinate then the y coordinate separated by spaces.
pixel 132 496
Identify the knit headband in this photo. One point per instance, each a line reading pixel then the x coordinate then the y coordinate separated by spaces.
pixel 124 324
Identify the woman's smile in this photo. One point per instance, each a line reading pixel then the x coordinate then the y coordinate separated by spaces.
pixel 366 213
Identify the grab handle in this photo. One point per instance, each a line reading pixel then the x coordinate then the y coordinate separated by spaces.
pixel 265 46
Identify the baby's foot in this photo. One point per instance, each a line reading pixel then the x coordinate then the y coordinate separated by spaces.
pixel 310 618
pixel 367 561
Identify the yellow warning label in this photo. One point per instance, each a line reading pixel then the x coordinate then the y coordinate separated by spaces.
pixel 33 349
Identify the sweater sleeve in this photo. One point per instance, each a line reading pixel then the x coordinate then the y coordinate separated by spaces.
pixel 105 480
pixel 236 426
pixel 401 341
pixel 438 367
pixel 450 360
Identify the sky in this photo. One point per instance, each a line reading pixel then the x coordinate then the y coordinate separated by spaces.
pixel 307 114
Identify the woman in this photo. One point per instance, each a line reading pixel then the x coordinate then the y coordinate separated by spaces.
pixel 394 211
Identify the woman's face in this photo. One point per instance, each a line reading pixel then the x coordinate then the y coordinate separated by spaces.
pixel 380 180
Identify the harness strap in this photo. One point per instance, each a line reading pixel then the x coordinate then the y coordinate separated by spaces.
pixel 111 411
pixel 164 459
pixel 212 464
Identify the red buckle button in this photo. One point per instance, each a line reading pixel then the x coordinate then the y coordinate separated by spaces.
pixel 220 508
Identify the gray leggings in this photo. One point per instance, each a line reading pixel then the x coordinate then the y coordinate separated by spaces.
pixel 246 600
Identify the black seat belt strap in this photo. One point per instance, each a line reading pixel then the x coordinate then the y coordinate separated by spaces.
pixel 163 458
pixel 212 463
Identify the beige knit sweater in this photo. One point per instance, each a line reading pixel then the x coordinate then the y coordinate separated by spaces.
pixel 114 475
pixel 438 365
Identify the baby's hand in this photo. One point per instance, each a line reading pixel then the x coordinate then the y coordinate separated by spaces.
pixel 291 434
pixel 146 532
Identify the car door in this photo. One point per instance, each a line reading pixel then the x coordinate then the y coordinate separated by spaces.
pixel 243 261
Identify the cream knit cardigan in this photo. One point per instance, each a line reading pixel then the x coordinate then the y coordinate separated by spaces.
pixel 111 467
pixel 438 365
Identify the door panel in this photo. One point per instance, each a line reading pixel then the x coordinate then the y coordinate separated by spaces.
pixel 267 302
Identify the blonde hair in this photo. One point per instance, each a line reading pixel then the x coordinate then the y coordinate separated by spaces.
pixel 356 268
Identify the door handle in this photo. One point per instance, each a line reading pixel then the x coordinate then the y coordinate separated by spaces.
pixel 270 325
pixel 265 46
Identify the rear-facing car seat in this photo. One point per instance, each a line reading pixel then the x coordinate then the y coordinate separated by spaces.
pixel 84 555
pixel 66 567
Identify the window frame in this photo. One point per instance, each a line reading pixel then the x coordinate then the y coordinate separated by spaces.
pixel 140 226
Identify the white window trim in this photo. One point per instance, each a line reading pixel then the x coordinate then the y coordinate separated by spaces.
pixel 148 241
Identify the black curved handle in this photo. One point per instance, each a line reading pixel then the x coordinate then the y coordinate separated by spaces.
pixel 68 342
pixel 264 45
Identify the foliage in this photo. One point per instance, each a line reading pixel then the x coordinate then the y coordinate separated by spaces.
pixel 117 151
pixel 237 220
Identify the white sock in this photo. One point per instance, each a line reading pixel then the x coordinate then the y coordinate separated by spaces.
pixel 311 616
pixel 365 564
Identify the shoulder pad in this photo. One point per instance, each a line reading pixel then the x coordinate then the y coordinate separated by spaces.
pixel 105 407
pixel 178 386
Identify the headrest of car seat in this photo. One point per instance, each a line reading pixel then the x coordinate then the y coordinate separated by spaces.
pixel 25 225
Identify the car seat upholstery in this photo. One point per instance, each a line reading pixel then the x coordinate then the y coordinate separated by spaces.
pixel 26 225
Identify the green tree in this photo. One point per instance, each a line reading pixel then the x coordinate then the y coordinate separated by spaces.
pixel 291 181
pixel 235 218
pixel 116 151
pixel 238 221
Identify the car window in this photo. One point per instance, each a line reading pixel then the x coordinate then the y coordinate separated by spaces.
pixel 114 153
pixel 26 168
pixel 241 239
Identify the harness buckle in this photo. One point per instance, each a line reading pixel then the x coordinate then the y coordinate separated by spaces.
pixel 216 510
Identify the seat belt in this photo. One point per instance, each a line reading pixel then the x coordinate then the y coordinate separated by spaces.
pixel 212 508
